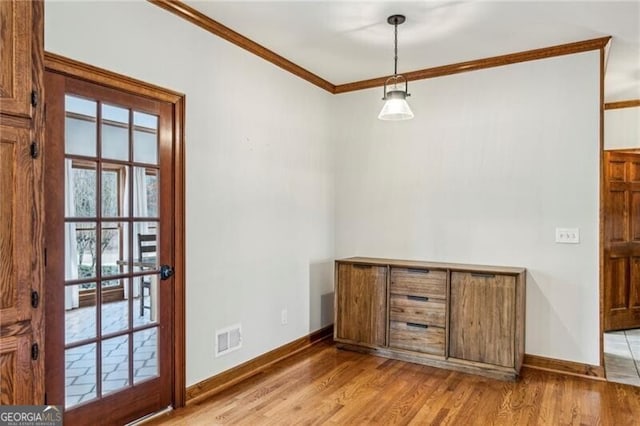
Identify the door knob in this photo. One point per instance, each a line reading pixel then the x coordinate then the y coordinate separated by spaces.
pixel 166 272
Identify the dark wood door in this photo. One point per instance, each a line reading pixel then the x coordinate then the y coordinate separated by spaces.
pixel 622 241
pixel 110 223
pixel 361 304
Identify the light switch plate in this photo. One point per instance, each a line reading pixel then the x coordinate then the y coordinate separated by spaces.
pixel 568 235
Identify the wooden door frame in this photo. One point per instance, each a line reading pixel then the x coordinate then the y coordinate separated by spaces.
pixel 72 68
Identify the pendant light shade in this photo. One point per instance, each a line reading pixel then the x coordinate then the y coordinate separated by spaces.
pixel 396 106
pixel 395 95
pixel 396 109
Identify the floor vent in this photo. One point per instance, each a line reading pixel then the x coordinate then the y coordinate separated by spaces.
pixel 228 339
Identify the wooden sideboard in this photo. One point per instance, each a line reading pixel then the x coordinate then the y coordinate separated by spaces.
pixel 468 318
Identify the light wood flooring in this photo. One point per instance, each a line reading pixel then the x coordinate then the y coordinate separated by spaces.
pixel 324 385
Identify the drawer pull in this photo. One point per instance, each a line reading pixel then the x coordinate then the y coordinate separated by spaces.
pixel 418 298
pixel 413 324
pixel 479 275
pixel 356 265
pixel 417 271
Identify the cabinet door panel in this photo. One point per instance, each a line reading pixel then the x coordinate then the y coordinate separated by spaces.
pixel 361 304
pixel 482 322
pixel 16 267
pixel 16 195
pixel 15 67
pixel 15 370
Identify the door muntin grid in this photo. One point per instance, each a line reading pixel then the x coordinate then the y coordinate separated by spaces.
pixel 112 195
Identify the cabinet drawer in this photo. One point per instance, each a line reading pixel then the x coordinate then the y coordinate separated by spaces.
pixel 419 282
pixel 405 335
pixel 417 309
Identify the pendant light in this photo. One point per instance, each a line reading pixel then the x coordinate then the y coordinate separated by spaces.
pixel 395 106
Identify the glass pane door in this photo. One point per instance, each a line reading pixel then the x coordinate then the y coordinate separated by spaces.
pixel 112 244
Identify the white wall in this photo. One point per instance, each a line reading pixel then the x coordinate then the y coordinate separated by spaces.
pixel 622 128
pixel 494 161
pixel 259 177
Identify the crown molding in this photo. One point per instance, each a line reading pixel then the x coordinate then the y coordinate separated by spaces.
pixel 214 27
pixel 478 64
pixel 190 14
pixel 622 104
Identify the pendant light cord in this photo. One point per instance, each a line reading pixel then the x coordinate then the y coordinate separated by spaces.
pixel 395 51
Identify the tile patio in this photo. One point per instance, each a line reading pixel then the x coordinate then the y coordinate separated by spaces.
pixel 622 356
pixel 80 362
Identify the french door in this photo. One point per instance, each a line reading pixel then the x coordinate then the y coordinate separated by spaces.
pixel 109 239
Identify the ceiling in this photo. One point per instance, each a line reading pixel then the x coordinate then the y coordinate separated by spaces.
pixel 347 41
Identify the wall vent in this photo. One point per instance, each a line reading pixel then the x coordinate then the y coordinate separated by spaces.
pixel 228 339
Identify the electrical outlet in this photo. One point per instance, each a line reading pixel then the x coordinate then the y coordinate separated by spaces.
pixel 283 317
pixel 568 235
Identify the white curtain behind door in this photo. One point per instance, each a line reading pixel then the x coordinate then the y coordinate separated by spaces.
pixel 71 293
pixel 140 209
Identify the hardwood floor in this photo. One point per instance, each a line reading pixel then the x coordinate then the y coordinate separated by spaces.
pixel 324 385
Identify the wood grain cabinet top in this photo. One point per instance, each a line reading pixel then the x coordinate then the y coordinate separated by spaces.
pixel 419 264
pixel 463 317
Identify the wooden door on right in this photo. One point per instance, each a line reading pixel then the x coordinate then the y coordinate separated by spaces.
pixel 622 240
